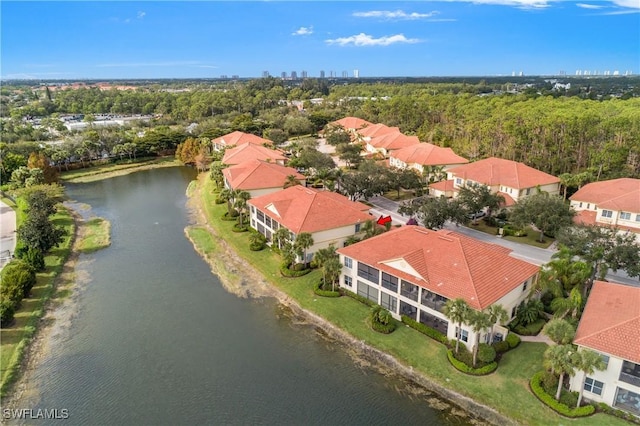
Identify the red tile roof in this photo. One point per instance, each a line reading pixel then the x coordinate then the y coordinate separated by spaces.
pixel 351 123
pixel 508 199
pixel 497 171
pixel 449 264
pixel 585 217
pixel 377 130
pixel 248 151
pixel 443 185
pixel 428 154
pixel 258 174
pixel 393 140
pixel 610 322
pixel 238 138
pixel 617 194
pixel 301 209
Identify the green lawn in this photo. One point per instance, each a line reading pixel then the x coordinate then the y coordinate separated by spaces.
pixel 96 235
pixel 92 173
pixel 15 338
pixel 506 390
pixel 531 238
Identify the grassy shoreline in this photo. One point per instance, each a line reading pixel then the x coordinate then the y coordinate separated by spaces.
pixel 91 174
pixel 505 391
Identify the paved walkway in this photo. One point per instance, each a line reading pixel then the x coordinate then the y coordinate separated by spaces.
pixel 540 338
pixel 7 233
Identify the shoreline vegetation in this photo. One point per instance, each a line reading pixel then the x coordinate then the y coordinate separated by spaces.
pixel 21 340
pixel 91 174
pixel 502 397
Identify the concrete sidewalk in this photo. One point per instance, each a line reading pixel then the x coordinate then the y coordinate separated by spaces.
pixel 7 233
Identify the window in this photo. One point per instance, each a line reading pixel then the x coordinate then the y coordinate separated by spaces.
pixel 388 302
pixel 638 217
pixel 253 209
pixel 409 290
pixel 513 311
pixel 458 181
pixel 524 287
pixel 625 215
pixel 260 216
pixel 607 213
pixel 367 291
pixel 605 359
pixel 580 204
pixel 348 281
pixel 368 273
pixel 528 191
pixel 462 334
pixel 593 386
pixel 348 262
pixel 389 282
pixel 357 227
pixel 267 221
pixel 274 225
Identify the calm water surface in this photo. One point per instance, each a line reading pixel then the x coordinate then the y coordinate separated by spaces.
pixel 154 338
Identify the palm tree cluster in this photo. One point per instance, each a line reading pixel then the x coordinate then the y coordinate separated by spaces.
pixel 459 312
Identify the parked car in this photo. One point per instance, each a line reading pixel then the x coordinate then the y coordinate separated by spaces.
pixel 477 215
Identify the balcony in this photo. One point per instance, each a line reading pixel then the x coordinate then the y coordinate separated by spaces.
pixel 630 373
pixel 432 300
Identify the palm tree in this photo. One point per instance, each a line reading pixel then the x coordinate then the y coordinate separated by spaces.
pixel 457 311
pixel 562 306
pixel 332 269
pixel 215 173
pixel 560 331
pixel 290 181
pixel 240 204
pixel 497 314
pixel 303 241
pixel 587 362
pixel 281 237
pixel 529 312
pixel 560 360
pixel 323 256
pixel 228 195
pixel 478 321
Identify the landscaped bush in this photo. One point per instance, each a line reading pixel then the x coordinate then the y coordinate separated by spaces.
pixel 531 329
pixel 359 298
pixel 229 217
pixel 509 230
pixel 292 273
pixel 19 274
pixel 239 228
pixel 34 258
pixel 617 413
pixel 486 353
pixel 381 320
pixel 549 382
pixel 501 347
pixel 461 366
pixel 562 409
pixel 513 340
pixel 7 309
pixel 570 399
pixel 317 289
pixel 220 200
pixel 425 329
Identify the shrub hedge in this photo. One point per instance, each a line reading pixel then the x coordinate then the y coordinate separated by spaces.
pixel 486 353
pixel 548 400
pixel 359 298
pixel 461 366
pixel 426 330
pixel 291 273
pixel 501 347
pixel 324 293
pixel 513 340
pixel 238 228
pixel 618 413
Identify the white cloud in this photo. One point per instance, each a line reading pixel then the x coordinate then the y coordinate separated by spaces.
pixel 398 14
pixel 633 4
pixel 589 6
pixel 541 4
pixel 141 14
pixel 363 39
pixel 303 31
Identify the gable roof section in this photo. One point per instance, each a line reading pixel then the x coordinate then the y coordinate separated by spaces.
pixel 394 140
pixel 238 138
pixel 428 154
pixel 377 130
pixel 498 171
pixel 301 209
pixel 258 174
pixel 610 322
pixel 449 264
pixel 616 194
pixel 248 151
pixel 351 123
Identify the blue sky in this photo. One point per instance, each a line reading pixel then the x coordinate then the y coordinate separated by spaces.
pixel 161 39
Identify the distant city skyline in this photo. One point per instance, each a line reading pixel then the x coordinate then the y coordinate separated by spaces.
pixel 246 39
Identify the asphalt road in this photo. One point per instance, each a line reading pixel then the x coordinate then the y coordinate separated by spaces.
pixel 7 233
pixel 535 255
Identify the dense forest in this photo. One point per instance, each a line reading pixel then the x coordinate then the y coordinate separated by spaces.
pixel 582 128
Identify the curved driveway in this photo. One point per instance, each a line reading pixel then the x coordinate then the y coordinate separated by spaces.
pixel 7 233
